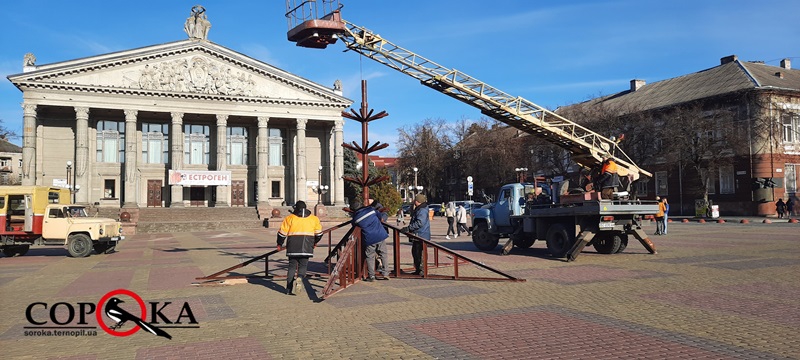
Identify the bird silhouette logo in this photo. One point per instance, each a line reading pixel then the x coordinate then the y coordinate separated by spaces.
pixel 118 314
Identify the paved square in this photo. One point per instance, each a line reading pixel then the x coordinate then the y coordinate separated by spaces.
pixel 714 291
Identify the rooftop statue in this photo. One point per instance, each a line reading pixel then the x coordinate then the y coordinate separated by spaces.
pixel 197 24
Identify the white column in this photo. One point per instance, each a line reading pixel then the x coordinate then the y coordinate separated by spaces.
pixel 338 166
pixel 222 158
pixel 262 165
pixel 131 159
pixel 28 144
pixel 176 156
pixel 82 161
pixel 300 165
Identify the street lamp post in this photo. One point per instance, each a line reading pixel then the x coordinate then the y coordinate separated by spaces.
pixel 415 180
pixel 521 174
pixel 72 189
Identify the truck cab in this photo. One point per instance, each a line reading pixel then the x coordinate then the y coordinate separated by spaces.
pixel 499 215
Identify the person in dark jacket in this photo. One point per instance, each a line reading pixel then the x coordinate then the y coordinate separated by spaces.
pixel 301 231
pixel 374 235
pixel 420 225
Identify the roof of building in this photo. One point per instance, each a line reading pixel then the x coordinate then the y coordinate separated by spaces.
pixel 732 75
pixel 7 147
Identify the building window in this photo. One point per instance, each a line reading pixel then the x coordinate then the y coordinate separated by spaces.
pixel 110 141
pixel 276 189
pixel 276 144
pixel 155 148
pixel 196 144
pixel 791 127
pixel 710 180
pixel 661 183
pixel 641 186
pixel 790 171
pixel 237 146
pixel 109 189
pixel 726 180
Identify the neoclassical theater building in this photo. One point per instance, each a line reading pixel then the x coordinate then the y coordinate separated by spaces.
pixel 187 123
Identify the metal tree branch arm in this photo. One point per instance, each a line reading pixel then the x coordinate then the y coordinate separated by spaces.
pixel 586 145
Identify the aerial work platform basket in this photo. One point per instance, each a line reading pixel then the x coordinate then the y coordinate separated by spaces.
pixel 308 29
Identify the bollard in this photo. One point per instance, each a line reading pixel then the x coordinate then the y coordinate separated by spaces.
pixel 685 220
pixel 767 221
pixel 793 221
pixel 720 221
pixel 744 221
pixel 702 221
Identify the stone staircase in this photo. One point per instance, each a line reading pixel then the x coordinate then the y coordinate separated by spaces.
pixel 161 220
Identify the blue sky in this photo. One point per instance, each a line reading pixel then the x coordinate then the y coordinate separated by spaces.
pixel 550 52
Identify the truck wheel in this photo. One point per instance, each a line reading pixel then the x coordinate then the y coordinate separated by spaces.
pixel 607 243
pixel 558 240
pixel 523 242
pixel 103 248
pixel 79 245
pixel 483 239
pixel 623 244
pixel 15 250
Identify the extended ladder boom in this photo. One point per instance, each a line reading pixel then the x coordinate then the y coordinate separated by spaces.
pixel 587 147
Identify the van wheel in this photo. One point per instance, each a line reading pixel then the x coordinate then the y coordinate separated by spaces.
pixel 483 239
pixel 15 250
pixel 607 243
pixel 558 240
pixel 79 245
pixel 102 248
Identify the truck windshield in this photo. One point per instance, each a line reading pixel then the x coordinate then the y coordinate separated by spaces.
pixel 76 211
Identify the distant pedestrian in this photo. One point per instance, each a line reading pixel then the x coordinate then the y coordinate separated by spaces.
pixel 419 225
pixel 780 206
pixel 666 214
pixel 374 235
pixel 790 206
pixel 301 231
pixel 450 213
pixel 401 217
pixel 461 218
pixel 660 217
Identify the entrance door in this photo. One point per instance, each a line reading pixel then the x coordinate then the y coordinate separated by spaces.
pixel 197 196
pixel 237 193
pixel 153 193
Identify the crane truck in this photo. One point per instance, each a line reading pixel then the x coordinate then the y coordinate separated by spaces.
pixel 567 226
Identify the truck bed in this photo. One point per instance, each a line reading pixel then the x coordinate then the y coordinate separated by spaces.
pixel 597 207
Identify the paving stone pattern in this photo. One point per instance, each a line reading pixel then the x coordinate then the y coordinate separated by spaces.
pixel 714 291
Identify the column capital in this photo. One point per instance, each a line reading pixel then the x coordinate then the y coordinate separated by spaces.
pixel 301 124
pixel 338 125
pixel 222 119
pixel 28 109
pixel 81 112
pixel 130 115
pixel 263 121
pixel 177 117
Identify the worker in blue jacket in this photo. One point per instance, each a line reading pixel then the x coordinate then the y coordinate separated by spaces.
pixel 420 225
pixel 374 235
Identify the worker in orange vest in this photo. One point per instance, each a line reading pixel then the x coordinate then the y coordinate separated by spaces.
pixel 609 180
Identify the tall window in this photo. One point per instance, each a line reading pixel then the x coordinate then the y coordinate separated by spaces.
pixel 196 144
pixel 726 180
pixel 110 141
pixel 155 149
pixel 790 171
pixel 791 127
pixel 237 146
pixel 276 144
pixel 661 183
